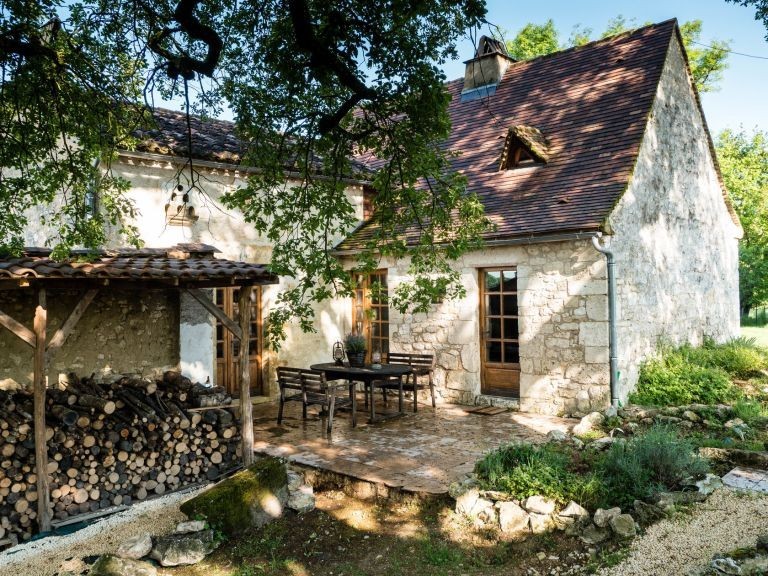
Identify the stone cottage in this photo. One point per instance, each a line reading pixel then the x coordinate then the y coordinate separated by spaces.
pixel 606 141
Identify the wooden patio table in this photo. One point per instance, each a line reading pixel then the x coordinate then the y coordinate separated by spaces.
pixel 368 376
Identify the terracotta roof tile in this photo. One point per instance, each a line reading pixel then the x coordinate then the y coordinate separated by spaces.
pixel 212 139
pixel 159 265
pixel 592 105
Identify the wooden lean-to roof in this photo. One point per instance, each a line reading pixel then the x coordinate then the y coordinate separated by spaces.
pixel 584 110
pixel 182 266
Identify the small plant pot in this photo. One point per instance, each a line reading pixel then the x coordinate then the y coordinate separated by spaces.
pixel 357 359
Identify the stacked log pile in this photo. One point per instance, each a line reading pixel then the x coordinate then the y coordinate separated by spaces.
pixel 111 444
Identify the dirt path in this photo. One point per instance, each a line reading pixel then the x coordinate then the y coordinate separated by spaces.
pixel 726 521
pixel 43 557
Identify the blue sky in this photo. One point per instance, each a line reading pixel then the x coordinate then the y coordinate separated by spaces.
pixel 742 100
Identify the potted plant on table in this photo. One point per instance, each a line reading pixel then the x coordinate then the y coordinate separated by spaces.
pixel 354 346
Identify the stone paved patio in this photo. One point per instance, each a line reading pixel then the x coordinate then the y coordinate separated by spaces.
pixel 422 452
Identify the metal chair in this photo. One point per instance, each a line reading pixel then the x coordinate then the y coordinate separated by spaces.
pixel 310 387
pixel 422 364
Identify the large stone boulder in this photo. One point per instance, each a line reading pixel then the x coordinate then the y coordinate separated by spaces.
pixel 574 510
pixel 136 547
pixel 109 565
pixel 184 549
pixel 251 498
pixel 539 505
pixel 302 499
pixel 512 518
pixel 709 484
pixel 590 422
pixel 647 513
pixel 623 525
pixel 592 534
pixel 603 516
pixel 189 527
pixel 541 523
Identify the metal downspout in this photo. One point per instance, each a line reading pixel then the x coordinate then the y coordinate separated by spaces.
pixel 612 336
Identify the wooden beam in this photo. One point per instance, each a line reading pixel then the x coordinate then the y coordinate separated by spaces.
pixel 208 304
pixel 246 408
pixel 61 335
pixel 41 451
pixel 17 328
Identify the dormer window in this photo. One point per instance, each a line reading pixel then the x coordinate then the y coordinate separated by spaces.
pixel 524 146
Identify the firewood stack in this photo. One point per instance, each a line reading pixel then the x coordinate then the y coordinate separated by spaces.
pixel 111 444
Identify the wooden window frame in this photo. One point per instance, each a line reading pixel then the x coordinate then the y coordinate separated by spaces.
pixel 487 366
pixel 362 317
pixel 228 340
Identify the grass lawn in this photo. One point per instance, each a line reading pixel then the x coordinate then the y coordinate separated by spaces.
pixel 759 334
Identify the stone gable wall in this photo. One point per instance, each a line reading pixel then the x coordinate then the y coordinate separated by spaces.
pixel 673 239
pixel 562 324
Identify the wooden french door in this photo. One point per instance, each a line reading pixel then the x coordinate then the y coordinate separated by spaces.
pixel 499 337
pixel 228 347
pixel 370 312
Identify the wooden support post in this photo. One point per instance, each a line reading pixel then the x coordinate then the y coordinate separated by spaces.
pixel 208 304
pixel 17 328
pixel 41 451
pixel 246 408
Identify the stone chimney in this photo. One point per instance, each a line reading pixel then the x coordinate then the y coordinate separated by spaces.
pixel 484 72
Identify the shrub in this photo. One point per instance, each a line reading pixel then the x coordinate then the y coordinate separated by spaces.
pixel 740 357
pixel 688 374
pixel 656 461
pixel 753 413
pixel 673 380
pixel 524 470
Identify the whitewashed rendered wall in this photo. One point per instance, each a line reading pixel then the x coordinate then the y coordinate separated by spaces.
pixel 153 181
pixel 563 328
pixel 674 241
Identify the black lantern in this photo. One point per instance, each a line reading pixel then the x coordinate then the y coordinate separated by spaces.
pixel 338 353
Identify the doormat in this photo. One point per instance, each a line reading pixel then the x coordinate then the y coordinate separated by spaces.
pixel 486 410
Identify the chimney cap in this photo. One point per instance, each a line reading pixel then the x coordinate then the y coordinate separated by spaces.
pixel 488 46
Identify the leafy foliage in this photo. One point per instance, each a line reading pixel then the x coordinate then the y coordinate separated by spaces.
pixel 525 470
pixel 743 162
pixel 658 460
pixel 59 114
pixel 354 343
pixel 672 381
pixel 707 63
pixel 312 84
pixel 688 374
pixel 534 40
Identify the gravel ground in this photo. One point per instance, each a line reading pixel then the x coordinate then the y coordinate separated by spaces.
pixel 43 557
pixel 726 521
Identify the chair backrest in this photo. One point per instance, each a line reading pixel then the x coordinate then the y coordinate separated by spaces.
pixel 398 358
pixel 313 381
pixel 423 361
pixel 289 378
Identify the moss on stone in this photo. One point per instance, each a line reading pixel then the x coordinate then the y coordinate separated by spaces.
pixel 249 498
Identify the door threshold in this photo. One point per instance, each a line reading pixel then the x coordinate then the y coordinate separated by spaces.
pixel 501 401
